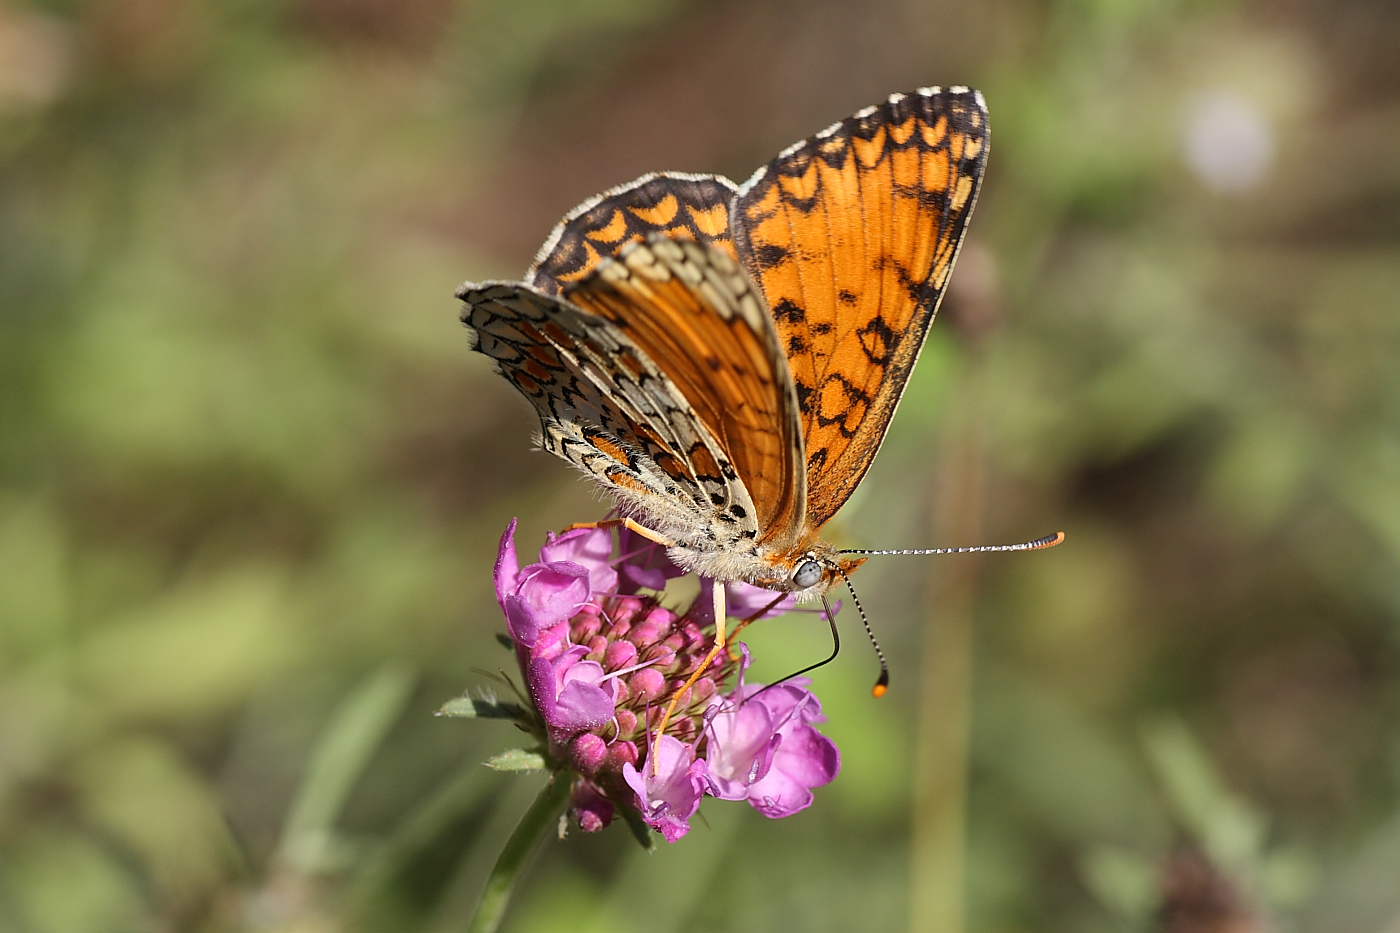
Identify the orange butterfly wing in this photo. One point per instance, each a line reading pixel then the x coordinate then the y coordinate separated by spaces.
pixel 693 310
pixel 677 205
pixel 852 234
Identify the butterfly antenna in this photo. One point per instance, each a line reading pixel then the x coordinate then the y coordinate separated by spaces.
pixel 835 650
pixel 1039 544
pixel 882 684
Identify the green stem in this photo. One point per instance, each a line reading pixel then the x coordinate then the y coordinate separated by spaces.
pixel 537 822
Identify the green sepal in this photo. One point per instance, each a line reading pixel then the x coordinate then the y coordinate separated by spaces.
pixel 518 759
pixel 468 707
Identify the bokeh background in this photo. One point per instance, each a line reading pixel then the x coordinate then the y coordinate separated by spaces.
pixel 253 480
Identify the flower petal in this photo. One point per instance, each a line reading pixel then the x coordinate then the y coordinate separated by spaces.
pixel 804 759
pixel 745 600
pixel 545 595
pixel 742 740
pixel 669 789
pixel 645 564
pixel 589 548
pixel 590 807
pixel 570 693
pixel 507 564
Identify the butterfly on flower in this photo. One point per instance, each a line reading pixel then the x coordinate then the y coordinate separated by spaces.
pixel 725 359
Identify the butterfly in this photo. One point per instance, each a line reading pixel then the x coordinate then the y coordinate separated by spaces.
pixel 725 359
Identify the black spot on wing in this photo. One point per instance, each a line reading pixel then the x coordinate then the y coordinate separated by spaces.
pixel 877 339
pixel 804 394
pixel 771 255
pixel 935 202
pixel 788 311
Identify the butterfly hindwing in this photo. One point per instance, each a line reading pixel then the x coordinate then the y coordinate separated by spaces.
pixel 608 409
pixel 851 234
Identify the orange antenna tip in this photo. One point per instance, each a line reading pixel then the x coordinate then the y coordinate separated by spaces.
pixel 882 686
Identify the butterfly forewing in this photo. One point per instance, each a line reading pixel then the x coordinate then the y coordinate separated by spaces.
pixel 693 308
pixel 851 235
pixel 678 205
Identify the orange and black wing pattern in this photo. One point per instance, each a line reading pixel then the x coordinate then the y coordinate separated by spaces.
pixel 672 204
pixel 851 235
pixel 691 308
pixel 606 407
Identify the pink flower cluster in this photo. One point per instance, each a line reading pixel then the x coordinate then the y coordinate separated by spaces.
pixel 602 656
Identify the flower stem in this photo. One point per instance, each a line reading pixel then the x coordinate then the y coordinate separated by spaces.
pixel 537 822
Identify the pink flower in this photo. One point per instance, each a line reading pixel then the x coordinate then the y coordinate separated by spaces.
pixel 591 807
pixel 589 548
pixel 507 565
pixel 742 740
pixel 745 600
pixel 545 595
pixel 601 658
pixel 669 791
pixel 765 749
pixel 644 564
pixel 571 694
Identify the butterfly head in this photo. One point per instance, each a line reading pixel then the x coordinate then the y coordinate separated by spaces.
pixel 812 571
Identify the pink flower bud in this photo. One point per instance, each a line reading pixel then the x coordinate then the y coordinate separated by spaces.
pixel 646 632
pixel 625 610
pixel 647 685
pixel 626 722
pixel 621 753
pixel 552 642
pixel 588 752
pixel 661 614
pixel 660 656
pixel 704 689
pixel 586 624
pixel 591 808
pixel 619 654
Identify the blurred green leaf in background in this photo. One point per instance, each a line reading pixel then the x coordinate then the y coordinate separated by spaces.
pixel 253 480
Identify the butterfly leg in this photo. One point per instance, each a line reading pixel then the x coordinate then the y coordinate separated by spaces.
pixel 630 525
pixel 717 590
pixel 732 643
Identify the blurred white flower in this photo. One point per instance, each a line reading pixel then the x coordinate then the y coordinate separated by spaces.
pixel 1228 141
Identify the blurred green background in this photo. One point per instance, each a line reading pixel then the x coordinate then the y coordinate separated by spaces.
pixel 253 479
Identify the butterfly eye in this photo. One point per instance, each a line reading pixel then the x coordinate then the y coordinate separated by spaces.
pixel 808 573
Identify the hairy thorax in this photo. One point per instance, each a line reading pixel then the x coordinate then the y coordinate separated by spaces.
pixel 786 570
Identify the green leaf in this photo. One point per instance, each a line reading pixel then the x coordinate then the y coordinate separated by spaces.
pixel 413 835
pixel 467 707
pixel 518 759
pixel 1230 830
pixel 340 756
